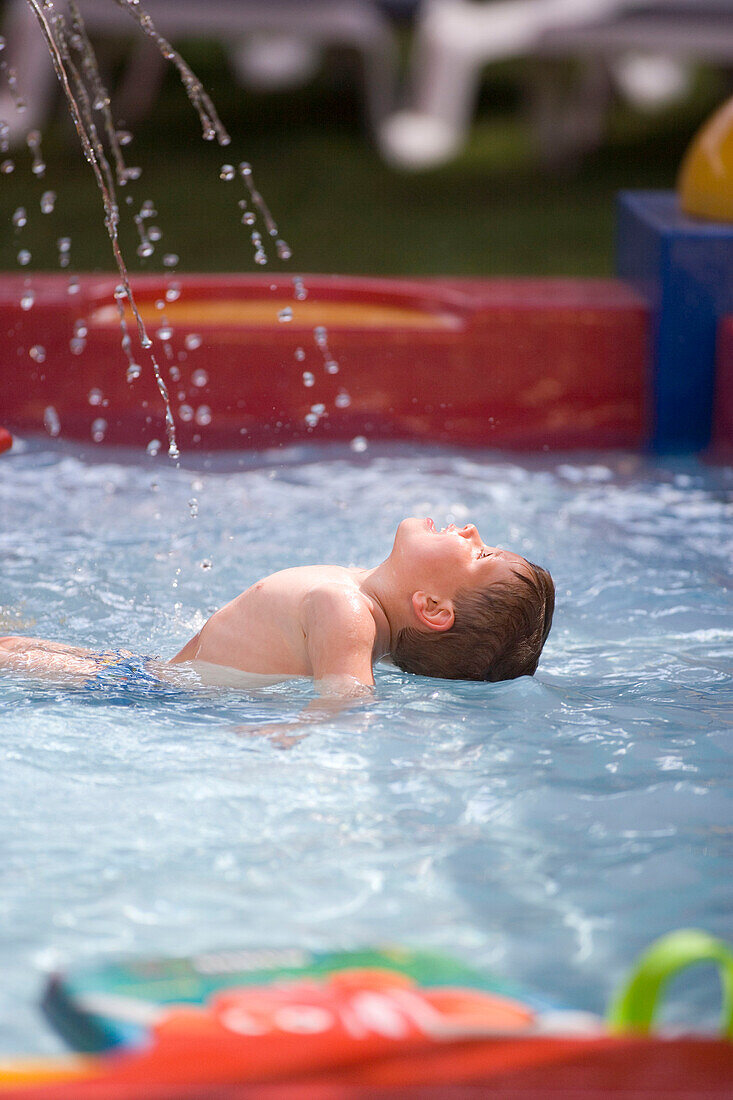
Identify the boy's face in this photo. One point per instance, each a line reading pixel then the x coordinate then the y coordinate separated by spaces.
pixel 450 560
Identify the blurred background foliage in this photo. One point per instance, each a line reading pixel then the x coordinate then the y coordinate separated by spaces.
pixel 496 209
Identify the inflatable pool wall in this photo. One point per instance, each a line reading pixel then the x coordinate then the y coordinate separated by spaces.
pixel 643 361
pixel 371 1023
pixel 505 363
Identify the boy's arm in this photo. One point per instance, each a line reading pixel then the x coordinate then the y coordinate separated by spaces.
pixel 339 639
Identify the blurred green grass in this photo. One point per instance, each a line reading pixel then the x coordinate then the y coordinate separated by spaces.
pixel 494 210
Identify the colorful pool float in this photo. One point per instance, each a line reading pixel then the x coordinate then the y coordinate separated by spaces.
pixel 371 1023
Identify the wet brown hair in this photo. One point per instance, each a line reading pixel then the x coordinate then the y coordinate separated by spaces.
pixel 498 633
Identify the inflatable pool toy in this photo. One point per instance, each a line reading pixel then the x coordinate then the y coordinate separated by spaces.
pixel 705 182
pixel 322 1026
pixel 367 996
pixel 635 1005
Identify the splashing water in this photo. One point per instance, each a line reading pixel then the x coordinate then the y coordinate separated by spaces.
pixel 76 67
pixel 282 249
pixel 33 141
pixel 85 94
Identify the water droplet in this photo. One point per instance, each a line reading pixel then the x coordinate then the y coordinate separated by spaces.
pixel 133 372
pixel 249 218
pixel 318 409
pixel 7 167
pixel 124 137
pixel 308 379
pixel 170 259
pixel 173 293
pixel 199 378
pixel 284 250
pixel 203 415
pixel 51 421
pixel 321 336
pixel 99 427
pixel 144 250
pixel 164 332
pixel 24 257
pixel 193 341
pixel 175 373
pixel 120 292
pixel 185 412
pixel 26 302
pixel 173 451
pixel 331 366
pixel 95 397
pixel 153 447
pixel 227 172
pixel 147 210
pixel 193 507
pixel 33 141
pixel 285 314
pixel 77 345
pixel 299 354
pixel 80 328
pixel 2 43
pixel 146 341
pixel 245 168
pixel 48 201
pixel 159 303
pixel 260 256
pixel 299 289
pixel 154 233
pixel 20 218
pixel 64 246
pixel 38 353
pixel 73 287
pixel 205 564
pixel 342 400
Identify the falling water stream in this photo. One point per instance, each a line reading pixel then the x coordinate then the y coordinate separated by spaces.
pixel 76 66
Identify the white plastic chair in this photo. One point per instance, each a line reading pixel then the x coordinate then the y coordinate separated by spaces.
pixel 271 43
pixel 456 39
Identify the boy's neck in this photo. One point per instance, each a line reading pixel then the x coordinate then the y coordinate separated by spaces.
pixel 379 586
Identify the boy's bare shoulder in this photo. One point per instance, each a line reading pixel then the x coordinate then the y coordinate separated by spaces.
pixel 340 632
pixel 339 604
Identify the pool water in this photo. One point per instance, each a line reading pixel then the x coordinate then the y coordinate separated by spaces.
pixel 547 828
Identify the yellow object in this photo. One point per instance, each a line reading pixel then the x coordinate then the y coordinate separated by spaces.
pixel 42 1071
pixel 705 182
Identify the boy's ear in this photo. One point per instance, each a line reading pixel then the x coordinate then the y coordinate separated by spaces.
pixel 434 614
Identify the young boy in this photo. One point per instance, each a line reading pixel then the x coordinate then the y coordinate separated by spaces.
pixel 442 604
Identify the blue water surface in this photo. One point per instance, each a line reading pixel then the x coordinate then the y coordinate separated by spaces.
pixel 546 828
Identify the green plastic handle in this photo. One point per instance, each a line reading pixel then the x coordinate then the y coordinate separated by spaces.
pixel 634 1006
